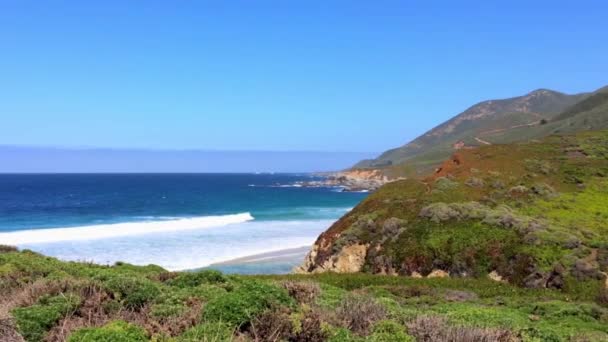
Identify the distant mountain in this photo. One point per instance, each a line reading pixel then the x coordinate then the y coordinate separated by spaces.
pixel 598 99
pixel 534 115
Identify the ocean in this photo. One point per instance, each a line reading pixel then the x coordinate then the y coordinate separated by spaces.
pixel 177 221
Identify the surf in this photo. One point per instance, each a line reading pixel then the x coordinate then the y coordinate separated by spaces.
pixel 114 230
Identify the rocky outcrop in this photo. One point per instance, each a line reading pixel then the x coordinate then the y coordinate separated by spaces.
pixel 496 277
pixel 353 180
pixel 438 274
pixel 349 259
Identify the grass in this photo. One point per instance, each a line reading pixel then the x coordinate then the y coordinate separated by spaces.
pixel 118 331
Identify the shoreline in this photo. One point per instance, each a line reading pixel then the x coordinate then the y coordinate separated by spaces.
pixel 282 261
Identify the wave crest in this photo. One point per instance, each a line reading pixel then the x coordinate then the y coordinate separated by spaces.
pixel 103 231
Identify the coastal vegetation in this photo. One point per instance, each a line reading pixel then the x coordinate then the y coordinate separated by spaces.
pixel 44 299
pixel 532 214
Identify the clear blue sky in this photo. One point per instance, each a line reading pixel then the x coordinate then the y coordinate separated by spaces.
pixel 279 75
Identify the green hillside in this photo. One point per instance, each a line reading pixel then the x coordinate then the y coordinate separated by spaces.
pixel 532 214
pixel 544 202
pixel 588 114
pixel 535 115
pixel 597 100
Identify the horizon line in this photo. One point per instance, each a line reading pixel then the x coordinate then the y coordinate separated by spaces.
pixel 151 149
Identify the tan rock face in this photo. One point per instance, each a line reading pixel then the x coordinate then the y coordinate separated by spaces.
pixel 438 274
pixel 496 277
pixel 349 260
pixel 364 174
pixel 309 261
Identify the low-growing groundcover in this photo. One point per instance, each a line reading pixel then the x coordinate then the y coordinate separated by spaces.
pixel 117 331
pixel 50 300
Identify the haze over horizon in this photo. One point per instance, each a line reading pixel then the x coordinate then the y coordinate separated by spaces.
pixel 20 159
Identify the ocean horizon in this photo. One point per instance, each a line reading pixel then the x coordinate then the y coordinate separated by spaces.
pixel 179 221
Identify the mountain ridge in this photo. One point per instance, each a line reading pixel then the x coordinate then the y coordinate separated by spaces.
pixel 498 120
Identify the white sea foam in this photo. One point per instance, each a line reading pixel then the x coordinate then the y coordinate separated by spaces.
pixel 105 231
pixel 176 249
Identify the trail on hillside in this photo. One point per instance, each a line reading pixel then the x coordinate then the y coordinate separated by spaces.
pixel 482 141
pixel 500 130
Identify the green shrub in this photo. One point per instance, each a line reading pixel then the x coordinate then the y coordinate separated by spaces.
pixel 534 334
pixel 208 332
pixel 389 331
pixel 247 300
pixel 133 291
pixel 173 301
pixel 193 279
pixel 330 296
pixel 341 335
pixel 148 270
pixel 117 331
pixel 445 184
pixel 165 310
pixel 206 292
pixel 34 321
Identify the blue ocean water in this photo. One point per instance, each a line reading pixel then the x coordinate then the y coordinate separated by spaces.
pixel 178 221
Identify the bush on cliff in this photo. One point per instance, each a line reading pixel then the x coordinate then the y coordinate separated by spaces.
pixel 34 321
pixel 118 331
pixel 248 299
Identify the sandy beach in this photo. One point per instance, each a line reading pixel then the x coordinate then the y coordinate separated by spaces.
pixel 281 261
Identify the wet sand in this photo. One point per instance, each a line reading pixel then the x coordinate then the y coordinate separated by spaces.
pixel 277 262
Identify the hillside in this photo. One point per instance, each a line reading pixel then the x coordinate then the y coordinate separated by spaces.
pixel 532 214
pixel 495 121
pixel 591 113
pixel 44 299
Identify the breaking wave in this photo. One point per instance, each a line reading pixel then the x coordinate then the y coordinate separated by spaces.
pixel 104 231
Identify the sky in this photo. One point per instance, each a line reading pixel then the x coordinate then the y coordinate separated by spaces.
pixel 334 76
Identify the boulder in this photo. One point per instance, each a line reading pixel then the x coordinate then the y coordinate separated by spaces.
pixel 555 279
pixel 438 274
pixel 535 280
pixel 584 270
pixel 496 277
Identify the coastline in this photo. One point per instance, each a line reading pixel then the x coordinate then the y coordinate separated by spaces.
pixel 353 180
pixel 276 262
